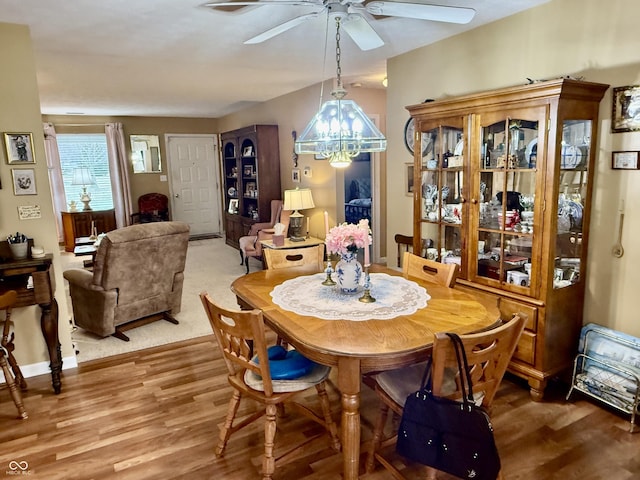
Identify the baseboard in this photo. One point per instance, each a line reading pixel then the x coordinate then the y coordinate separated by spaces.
pixel 42 368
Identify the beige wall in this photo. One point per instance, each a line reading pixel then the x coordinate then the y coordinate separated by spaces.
pixel 590 38
pixel 141 182
pixel 20 112
pixel 293 112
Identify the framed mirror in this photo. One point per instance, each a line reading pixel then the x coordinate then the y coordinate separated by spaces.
pixel 145 154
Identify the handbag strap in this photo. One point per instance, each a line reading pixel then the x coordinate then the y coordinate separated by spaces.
pixel 426 377
pixel 463 367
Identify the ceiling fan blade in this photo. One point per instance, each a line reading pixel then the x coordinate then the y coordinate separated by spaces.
pixel 283 27
pixel 438 13
pixel 361 32
pixel 258 3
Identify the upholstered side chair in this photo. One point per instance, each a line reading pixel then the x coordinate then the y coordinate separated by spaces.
pixel 152 207
pixel 250 245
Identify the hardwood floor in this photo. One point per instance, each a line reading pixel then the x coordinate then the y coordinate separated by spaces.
pixel 154 414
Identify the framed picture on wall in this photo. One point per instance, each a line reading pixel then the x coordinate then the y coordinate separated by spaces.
pixel 625 160
pixel 19 147
pixel 24 181
pixel 626 109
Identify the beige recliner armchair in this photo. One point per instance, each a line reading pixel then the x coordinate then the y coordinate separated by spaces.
pixel 137 278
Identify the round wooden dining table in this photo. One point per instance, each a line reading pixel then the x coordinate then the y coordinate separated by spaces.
pixel 357 347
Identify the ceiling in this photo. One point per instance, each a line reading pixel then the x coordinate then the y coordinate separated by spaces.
pixel 177 58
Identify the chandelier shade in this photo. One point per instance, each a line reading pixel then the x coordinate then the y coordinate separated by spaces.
pixel 340 126
pixel 340 130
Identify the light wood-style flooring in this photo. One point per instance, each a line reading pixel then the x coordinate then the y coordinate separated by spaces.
pixel 154 414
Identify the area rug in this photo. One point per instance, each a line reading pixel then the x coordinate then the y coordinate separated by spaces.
pixel 211 266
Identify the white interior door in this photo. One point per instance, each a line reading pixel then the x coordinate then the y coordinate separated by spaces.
pixel 195 182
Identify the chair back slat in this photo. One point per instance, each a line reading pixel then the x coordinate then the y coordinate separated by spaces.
pixel 8 299
pixel 241 336
pixel 428 270
pixel 488 355
pixel 312 258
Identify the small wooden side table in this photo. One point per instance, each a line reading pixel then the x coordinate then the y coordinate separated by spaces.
pixel 80 250
pixel 14 275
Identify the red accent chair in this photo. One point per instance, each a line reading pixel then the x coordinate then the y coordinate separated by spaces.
pixel 152 207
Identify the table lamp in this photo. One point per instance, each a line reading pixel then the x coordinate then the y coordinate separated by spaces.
pixel 298 199
pixel 83 176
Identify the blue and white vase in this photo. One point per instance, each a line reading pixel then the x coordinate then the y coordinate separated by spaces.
pixel 349 272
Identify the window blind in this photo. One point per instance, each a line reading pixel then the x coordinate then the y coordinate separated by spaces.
pixel 88 151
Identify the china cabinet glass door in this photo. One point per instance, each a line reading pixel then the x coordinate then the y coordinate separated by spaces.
pixel 505 212
pixel 574 175
pixel 441 195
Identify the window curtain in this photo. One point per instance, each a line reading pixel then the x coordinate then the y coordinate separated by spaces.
pixel 55 176
pixel 119 170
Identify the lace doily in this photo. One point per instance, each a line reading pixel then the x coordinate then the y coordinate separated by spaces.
pixel 394 296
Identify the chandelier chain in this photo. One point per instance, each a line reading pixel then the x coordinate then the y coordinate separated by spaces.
pixel 338 52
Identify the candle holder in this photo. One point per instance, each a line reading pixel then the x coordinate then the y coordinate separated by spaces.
pixel 328 281
pixel 366 296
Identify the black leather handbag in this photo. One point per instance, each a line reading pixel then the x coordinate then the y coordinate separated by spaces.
pixel 452 436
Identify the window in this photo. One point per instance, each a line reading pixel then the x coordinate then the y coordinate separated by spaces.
pixel 87 151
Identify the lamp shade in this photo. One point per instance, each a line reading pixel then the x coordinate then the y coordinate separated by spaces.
pixel 82 176
pixel 298 199
pixel 340 126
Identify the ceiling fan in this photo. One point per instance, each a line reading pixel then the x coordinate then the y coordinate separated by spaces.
pixel 355 16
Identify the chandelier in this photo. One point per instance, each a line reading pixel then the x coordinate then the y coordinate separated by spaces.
pixel 340 130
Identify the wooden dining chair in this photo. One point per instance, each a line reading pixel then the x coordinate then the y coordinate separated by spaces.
pixel 252 371
pixel 429 270
pixel 15 380
pixel 488 354
pixel 405 244
pixel 311 258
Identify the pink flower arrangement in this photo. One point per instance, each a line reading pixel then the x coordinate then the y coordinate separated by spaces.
pixel 348 237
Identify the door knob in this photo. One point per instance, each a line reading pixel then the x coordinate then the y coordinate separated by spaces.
pixel 177 195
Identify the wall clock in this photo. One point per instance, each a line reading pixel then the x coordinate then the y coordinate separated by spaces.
pixel 409 138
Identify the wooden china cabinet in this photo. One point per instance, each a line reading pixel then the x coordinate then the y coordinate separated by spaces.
pixel 251 172
pixel 504 182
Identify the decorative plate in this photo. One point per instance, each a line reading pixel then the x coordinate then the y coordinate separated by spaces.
pixel 409 138
pixel 571 156
pixel 232 192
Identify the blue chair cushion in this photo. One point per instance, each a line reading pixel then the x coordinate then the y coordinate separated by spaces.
pixel 287 364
